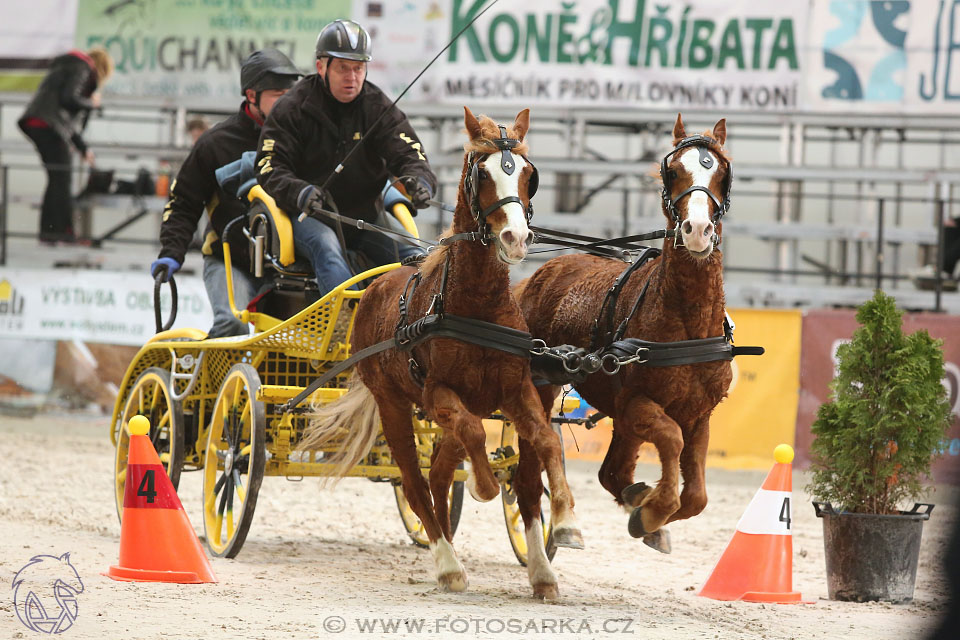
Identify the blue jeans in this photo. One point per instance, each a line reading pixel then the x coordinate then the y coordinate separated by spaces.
pixel 318 243
pixel 245 287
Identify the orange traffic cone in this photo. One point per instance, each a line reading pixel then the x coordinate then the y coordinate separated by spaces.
pixel 757 565
pixel 157 542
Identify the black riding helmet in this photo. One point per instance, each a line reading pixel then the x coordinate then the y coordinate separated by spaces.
pixel 344 39
pixel 267 69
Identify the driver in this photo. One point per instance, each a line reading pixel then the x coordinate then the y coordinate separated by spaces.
pixel 310 132
pixel 264 76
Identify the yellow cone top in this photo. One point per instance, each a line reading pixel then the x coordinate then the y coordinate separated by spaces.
pixel 140 426
pixel 782 454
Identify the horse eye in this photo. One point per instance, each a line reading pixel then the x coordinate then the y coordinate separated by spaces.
pixel 482 174
pixel 672 174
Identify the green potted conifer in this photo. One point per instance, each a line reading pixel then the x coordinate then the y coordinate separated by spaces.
pixel 875 439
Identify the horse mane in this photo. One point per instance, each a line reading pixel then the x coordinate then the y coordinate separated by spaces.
pixel 490 133
pixel 437 256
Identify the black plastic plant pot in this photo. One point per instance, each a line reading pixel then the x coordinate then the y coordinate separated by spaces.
pixel 872 557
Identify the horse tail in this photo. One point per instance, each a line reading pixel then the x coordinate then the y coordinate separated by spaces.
pixel 352 421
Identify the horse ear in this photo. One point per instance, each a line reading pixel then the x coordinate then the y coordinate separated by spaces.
pixel 522 124
pixel 472 124
pixel 678 131
pixel 720 131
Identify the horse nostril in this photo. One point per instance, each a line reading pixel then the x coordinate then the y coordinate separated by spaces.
pixel 687 227
pixel 507 237
pixel 708 230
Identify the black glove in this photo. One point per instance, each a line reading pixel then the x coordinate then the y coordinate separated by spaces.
pixel 418 191
pixel 310 196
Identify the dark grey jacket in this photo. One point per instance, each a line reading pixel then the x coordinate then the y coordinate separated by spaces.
pixel 63 98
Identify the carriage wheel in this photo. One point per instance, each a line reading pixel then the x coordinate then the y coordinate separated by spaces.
pixel 411 522
pixel 150 396
pixel 511 511
pixel 233 462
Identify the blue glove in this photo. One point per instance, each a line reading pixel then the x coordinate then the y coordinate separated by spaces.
pixel 309 196
pixel 169 265
pixel 418 191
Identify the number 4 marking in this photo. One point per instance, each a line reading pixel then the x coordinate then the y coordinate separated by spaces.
pixel 785 512
pixel 146 487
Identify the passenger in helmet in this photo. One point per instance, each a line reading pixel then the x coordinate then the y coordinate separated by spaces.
pixel 265 75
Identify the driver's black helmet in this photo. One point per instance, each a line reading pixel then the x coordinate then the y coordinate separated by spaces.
pixel 267 69
pixel 344 39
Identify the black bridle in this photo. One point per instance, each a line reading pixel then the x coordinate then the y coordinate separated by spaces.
pixel 703 144
pixel 508 165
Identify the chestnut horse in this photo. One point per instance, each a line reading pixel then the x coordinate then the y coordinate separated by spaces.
pixel 461 383
pixel 669 407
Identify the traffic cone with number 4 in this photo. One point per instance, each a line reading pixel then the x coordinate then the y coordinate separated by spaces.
pixel 757 565
pixel 157 541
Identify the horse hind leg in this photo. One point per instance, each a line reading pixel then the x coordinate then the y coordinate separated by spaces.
pixel 526 412
pixel 616 472
pixel 446 408
pixel 529 489
pixel 398 431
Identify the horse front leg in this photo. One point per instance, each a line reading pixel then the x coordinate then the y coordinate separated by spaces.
pixel 525 411
pixel 693 460
pixel 447 455
pixel 398 430
pixel 528 487
pixel 644 419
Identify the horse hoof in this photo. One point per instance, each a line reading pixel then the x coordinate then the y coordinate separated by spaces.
pixel 568 537
pixel 634 494
pixel 546 591
pixel 659 540
pixel 455 582
pixel 635 524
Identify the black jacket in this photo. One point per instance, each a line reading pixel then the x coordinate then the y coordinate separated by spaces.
pixel 309 132
pixel 63 98
pixel 196 188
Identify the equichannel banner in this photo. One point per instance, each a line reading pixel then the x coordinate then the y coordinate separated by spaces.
pixel 189 51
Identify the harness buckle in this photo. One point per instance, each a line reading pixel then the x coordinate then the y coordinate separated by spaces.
pixel 539 348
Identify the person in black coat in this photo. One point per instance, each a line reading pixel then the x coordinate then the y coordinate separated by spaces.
pixel 265 76
pixel 309 134
pixel 54 120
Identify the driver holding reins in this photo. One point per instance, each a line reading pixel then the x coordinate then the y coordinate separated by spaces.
pixel 311 130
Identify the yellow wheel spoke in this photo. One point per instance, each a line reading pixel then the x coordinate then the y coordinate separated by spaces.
pixel 164 419
pixel 156 394
pixel 514 518
pixel 140 400
pixel 229 524
pixel 245 451
pixel 217 529
pixel 165 457
pixel 241 494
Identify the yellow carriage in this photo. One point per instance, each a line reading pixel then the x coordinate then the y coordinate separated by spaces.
pixel 214 405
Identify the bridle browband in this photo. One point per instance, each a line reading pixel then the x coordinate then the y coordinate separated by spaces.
pixel 702 143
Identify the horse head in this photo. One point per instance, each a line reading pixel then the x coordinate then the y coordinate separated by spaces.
pixel 696 177
pixel 498 181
